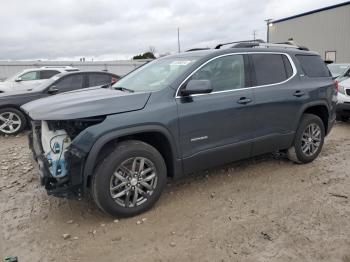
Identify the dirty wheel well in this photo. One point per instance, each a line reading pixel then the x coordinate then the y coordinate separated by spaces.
pixel 321 112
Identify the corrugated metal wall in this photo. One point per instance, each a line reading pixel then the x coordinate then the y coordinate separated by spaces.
pixel 327 30
pixel 120 68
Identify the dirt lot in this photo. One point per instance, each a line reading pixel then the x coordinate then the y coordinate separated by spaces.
pixel 263 209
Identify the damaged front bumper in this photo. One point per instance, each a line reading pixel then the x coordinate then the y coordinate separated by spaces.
pixel 69 186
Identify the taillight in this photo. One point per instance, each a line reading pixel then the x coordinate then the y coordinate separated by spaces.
pixel 114 80
pixel 336 85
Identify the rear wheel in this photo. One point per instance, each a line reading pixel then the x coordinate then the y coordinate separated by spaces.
pixel 308 140
pixel 130 180
pixel 12 121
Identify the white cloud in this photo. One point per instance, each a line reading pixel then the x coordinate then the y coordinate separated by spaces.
pixel 107 29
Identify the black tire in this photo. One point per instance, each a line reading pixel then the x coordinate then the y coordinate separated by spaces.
pixel 342 118
pixel 105 172
pixel 18 116
pixel 296 153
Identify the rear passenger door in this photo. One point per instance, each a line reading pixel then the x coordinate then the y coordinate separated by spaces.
pixel 276 106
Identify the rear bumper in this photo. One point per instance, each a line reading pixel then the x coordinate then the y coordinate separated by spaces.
pixel 70 186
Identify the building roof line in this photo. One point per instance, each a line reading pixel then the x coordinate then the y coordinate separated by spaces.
pixel 311 12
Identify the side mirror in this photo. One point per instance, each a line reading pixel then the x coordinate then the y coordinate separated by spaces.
pixel 52 90
pixel 195 87
pixel 18 79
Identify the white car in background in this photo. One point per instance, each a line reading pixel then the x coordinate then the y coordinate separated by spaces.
pixel 30 78
pixel 340 72
pixel 343 106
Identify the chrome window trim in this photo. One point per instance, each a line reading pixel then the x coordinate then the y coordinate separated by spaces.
pixel 238 89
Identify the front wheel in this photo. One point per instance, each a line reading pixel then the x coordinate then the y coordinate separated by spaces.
pixel 12 121
pixel 308 140
pixel 130 180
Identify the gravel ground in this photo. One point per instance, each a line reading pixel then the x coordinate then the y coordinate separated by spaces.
pixel 262 209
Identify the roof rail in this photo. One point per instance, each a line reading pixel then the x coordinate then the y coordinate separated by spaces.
pixel 301 47
pixel 256 43
pixel 260 43
pixel 244 43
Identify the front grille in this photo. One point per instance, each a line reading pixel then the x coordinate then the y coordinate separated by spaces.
pixel 347 91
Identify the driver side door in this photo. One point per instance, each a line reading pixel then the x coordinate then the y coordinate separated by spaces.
pixel 217 128
pixel 26 80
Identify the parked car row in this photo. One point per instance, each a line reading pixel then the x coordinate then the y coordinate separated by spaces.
pixel 341 72
pixel 177 115
pixel 13 119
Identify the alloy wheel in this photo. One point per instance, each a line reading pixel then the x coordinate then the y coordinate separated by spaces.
pixel 311 139
pixel 134 180
pixel 9 122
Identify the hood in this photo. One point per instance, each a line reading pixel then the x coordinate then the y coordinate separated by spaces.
pixel 85 103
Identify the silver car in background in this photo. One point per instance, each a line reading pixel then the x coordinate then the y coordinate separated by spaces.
pixel 30 78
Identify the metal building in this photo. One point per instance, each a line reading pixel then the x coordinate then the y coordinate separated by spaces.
pixel 325 30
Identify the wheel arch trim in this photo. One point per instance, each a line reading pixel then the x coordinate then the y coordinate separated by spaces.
pixel 103 140
pixel 314 104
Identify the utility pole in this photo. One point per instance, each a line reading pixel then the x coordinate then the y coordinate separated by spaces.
pixel 178 40
pixel 268 24
pixel 254 34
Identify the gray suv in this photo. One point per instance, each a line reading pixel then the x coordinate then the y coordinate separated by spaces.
pixel 177 115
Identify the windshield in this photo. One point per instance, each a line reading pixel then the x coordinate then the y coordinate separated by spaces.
pixel 337 70
pixel 155 75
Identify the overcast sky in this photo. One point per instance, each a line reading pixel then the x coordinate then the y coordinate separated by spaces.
pixel 110 29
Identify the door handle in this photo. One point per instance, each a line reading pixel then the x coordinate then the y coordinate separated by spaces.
pixel 298 93
pixel 244 101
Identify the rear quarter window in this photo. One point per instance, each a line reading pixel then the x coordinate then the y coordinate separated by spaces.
pixel 313 66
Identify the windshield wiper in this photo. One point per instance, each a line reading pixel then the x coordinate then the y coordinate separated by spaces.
pixel 124 89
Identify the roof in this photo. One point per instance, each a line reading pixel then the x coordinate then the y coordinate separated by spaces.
pixel 311 12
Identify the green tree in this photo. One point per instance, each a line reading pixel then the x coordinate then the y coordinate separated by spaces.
pixel 146 55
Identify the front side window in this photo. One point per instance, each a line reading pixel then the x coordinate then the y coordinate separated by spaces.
pixel 224 73
pixel 69 83
pixel 156 75
pixel 30 76
pixel 271 68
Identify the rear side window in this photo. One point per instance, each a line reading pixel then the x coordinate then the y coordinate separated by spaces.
pixel 99 79
pixel 271 68
pixel 313 66
pixel 46 74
